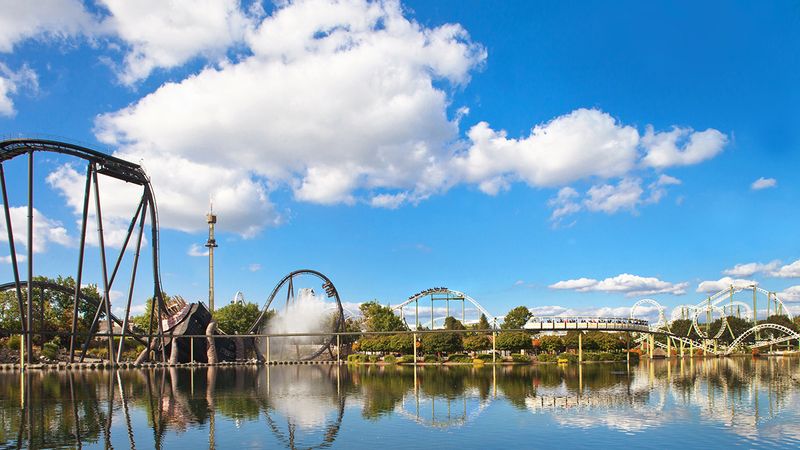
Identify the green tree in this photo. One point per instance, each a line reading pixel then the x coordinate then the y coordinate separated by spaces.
pixel 516 318
pixel 441 343
pixel 380 318
pixel 514 341
pixel 237 318
pixel 551 344
pixel 477 343
pixel 483 323
pixel 451 323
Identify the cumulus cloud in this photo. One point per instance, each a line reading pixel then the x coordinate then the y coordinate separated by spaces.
pixel 790 294
pixel 341 102
pixel 791 270
pixel 630 285
pixel 13 81
pixel 763 183
pixel 161 34
pixel 50 19
pixel 46 231
pixel 714 286
pixel 681 146
pixel 648 312
pixel 750 269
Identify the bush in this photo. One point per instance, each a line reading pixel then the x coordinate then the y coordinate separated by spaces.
pixel 570 357
pixel 50 349
pixel 477 343
pixel 488 357
pixel 546 357
pixel 389 359
pixel 430 359
pixel 459 358
pixel 13 342
pixel 519 358
pixel 406 359
pixel 606 356
pixel 374 358
pixel 356 358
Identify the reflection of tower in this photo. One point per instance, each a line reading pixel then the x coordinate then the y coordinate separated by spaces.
pixel 211 245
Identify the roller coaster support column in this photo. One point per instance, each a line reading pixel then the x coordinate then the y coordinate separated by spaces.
pixel 755 315
pixel 580 347
pixel 628 347
pixel 338 350
pixel 682 345
pixel 267 356
pixel 650 345
pixel 494 346
pixel 669 346
pixel 415 351
pixel 691 349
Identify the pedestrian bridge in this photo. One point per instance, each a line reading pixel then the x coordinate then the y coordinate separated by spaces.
pixel 588 323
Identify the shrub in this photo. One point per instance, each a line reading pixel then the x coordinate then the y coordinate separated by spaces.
pixel 477 343
pixel 488 357
pixel 459 358
pixel 50 349
pixel 406 359
pixel 519 358
pixel 13 342
pixel 570 357
pixel 374 358
pixel 356 358
pixel 546 357
pixel 430 358
pixel 606 356
pixel 389 359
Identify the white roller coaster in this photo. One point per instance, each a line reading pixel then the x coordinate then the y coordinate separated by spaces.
pixel 449 295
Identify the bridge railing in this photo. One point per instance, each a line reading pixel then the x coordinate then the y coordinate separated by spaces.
pixel 586 323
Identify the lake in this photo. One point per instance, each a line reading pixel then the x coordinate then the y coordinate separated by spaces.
pixel 690 403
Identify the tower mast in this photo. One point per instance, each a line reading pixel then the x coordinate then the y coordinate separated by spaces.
pixel 211 218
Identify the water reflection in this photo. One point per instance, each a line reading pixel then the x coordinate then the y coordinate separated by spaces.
pixel 741 400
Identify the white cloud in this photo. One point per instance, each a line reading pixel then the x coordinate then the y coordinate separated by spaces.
pixel 658 188
pixel 610 199
pixel 167 34
pixel 790 294
pixel 564 204
pixel 787 271
pixel 578 145
pixel 630 285
pixel 763 183
pixel 255 267
pixel 46 231
pixel 11 82
pixel 750 269
pixel 714 286
pixel 197 250
pixel 341 102
pixel 681 146
pixel 648 312
pixel 52 19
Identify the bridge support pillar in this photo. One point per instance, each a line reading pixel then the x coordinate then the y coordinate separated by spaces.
pixel 682 345
pixel 580 347
pixel 691 349
pixel 650 345
pixel 669 346
pixel 494 351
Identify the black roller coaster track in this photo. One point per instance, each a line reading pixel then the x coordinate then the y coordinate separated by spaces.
pixel 97 163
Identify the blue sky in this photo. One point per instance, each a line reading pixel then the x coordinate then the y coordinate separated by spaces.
pixel 390 145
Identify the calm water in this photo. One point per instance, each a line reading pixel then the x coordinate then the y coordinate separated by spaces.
pixel 699 404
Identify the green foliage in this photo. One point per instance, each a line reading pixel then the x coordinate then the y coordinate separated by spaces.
pixel 431 359
pixel 451 323
pixel 477 343
pixel 571 357
pixel 389 359
pixel 516 318
pixel 13 342
pixel 514 341
pixel 459 358
pixel 237 318
pixel 54 312
pixel 442 342
pixel 546 357
pixel 373 358
pixel 50 349
pixel 551 344
pixel 356 358
pixel 395 343
pixel 520 358
pixel 487 357
pixel 406 359
pixel 483 323
pixel 380 318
